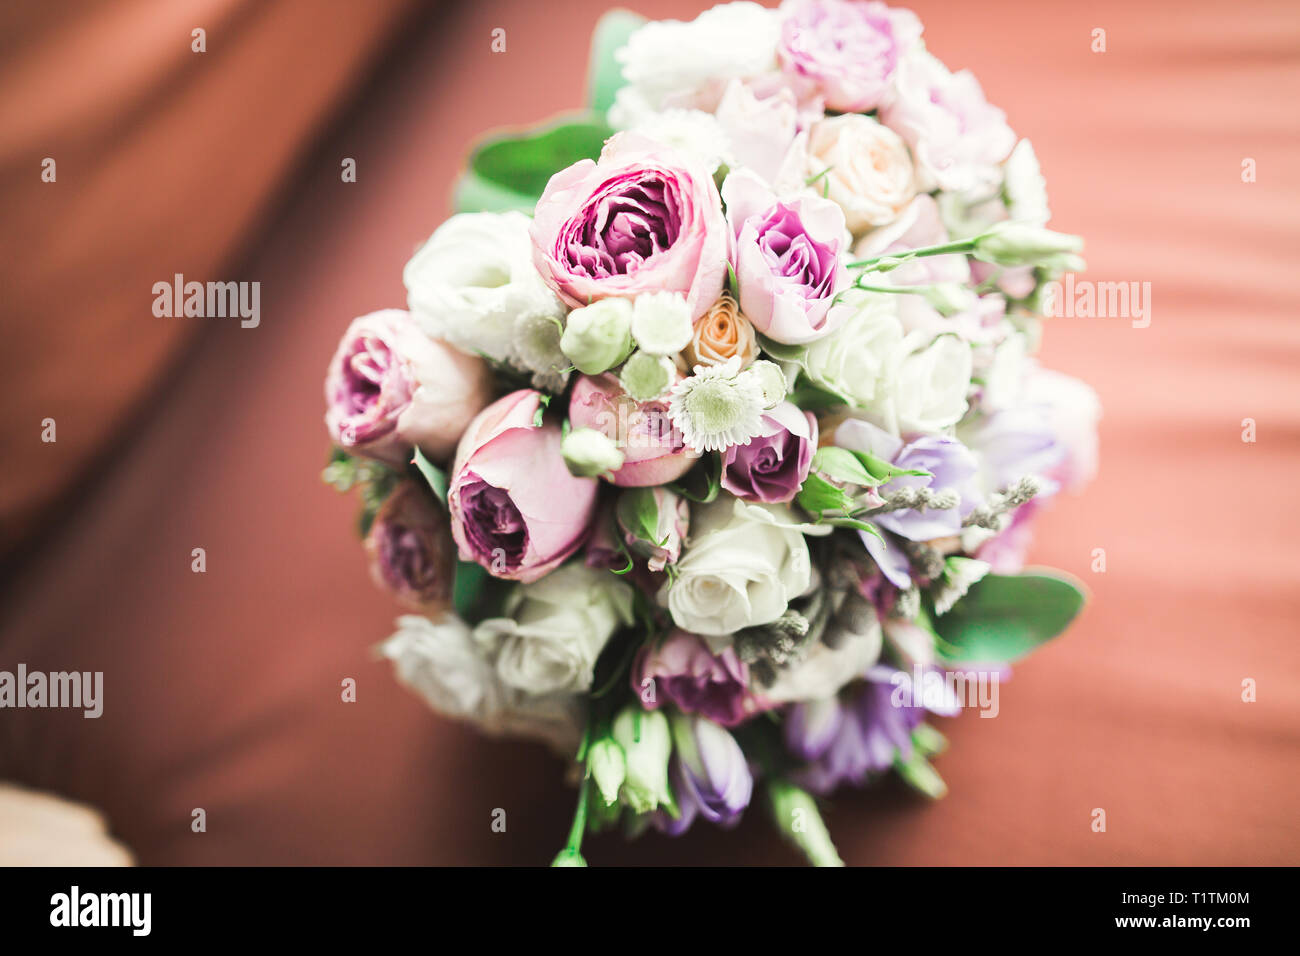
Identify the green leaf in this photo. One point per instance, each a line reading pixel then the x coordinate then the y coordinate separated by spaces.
pixel 638 512
pixel 1004 617
pixel 604 75
pixel 510 170
pixel 883 471
pixel 781 351
pixel 840 464
pixel 476 594
pixel 435 476
pixel 817 496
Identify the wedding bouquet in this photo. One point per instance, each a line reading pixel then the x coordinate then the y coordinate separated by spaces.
pixel 708 447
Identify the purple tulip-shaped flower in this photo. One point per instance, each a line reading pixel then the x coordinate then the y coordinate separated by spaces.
pixel 849 739
pixel 709 775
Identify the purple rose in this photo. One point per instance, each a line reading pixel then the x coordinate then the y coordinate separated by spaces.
pixel 776 461
pixel 410 548
pixel 683 671
pixel 642 219
pixel 709 774
pixel 390 388
pixel 851 50
pixel 787 259
pixel 515 508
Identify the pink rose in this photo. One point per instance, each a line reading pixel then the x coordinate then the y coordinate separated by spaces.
pixel 775 463
pixel 850 49
pixel 653 448
pixel 683 671
pixel 958 139
pixel 787 259
pixel 515 508
pixel 410 548
pixel 390 388
pixel 642 219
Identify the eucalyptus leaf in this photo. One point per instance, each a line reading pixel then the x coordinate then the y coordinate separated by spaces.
pixel 604 74
pixel 510 170
pixel 1004 617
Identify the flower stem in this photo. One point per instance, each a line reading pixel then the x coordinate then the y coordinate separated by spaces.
pixel 944 249
pixel 571 855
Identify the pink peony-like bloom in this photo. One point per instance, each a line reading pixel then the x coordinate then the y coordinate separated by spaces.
pixel 958 138
pixel 515 508
pixel 681 670
pixel 654 451
pixel 776 461
pixel 642 219
pixel 850 49
pixel 410 548
pixel 390 388
pixel 787 259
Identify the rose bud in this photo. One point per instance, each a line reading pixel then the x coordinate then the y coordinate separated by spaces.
pixel 647 742
pixel 643 219
pixel 515 508
pixel 391 388
pixel 410 548
pixel 776 461
pixel 654 451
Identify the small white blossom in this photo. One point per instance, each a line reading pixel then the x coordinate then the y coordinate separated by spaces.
pixel 717 407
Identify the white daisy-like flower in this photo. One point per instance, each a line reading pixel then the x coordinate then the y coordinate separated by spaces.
pixel 717 407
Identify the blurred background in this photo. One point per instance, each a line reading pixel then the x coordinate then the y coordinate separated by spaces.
pixel 222 688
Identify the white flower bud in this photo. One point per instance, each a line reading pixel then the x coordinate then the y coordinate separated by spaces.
pixel 661 323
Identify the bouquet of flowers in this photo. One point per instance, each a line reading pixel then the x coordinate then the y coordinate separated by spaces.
pixel 708 447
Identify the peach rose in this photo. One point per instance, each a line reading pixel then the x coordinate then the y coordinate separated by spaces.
pixel 722 333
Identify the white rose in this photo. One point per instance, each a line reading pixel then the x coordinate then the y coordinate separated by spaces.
pixel 441 662
pixel 855 360
pixel 928 393
pixel 824 670
pixel 670 63
pixel 865 167
pixel 556 719
pixel 474 277
pixel 556 628
pixel 742 565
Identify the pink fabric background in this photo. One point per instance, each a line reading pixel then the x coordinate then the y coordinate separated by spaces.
pixel 223 688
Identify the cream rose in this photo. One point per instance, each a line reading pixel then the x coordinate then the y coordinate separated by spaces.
pixel 742 565
pixel 864 167
pixel 556 628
